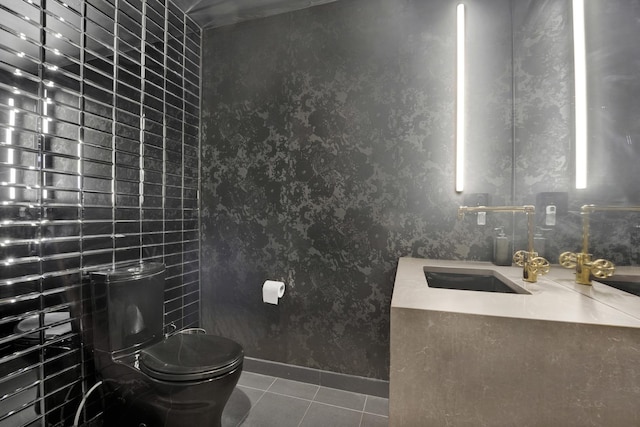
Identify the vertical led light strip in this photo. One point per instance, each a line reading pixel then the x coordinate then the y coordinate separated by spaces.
pixel 580 67
pixel 460 95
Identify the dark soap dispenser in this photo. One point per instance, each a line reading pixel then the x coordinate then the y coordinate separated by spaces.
pixel 501 248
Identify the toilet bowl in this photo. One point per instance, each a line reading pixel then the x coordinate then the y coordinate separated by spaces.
pixel 179 380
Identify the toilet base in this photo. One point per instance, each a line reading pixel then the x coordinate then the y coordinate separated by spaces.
pixel 158 403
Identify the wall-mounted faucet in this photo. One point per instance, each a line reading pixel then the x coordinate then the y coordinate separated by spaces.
pixel 532 264
pixel 585 267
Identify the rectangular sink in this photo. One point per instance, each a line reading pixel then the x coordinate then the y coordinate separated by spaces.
pixel 630 284
pixel 469 280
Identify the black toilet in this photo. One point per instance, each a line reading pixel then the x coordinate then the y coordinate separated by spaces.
pixel 181 380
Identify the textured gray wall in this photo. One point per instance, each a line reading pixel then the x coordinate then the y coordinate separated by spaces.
pixel 327 154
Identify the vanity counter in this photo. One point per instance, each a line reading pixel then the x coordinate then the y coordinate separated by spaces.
pixel 554 297
pixel 561 355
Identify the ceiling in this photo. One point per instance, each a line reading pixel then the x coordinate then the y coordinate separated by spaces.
pixel 217 13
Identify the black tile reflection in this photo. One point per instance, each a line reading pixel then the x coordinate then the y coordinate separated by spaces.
pixel 126 159
pixel 173 168
pixel 125 131
pixel 89 235
pixel 61 146
pixel 152 226
pixel 67 32
pixel 150 239
pixel 173 237
pixel 174 111
pixel 132 214
pixel 97 184
pixel 95 137
pixel 128 188
pixel 127 255
pixel 174 192
pixel 153 99
pixel 93 259
pixel 152 202
pixel 127 228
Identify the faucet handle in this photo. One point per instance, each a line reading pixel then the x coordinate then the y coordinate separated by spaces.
pixel 532 264
pixel 540 264
pixel 520 257
pixel 602 268
pixel 568 259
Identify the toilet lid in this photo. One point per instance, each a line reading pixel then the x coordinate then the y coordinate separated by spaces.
pixel 189 357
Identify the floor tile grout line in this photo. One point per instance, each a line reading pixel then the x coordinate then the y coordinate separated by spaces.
pixel 252 388
pixel 309 407
pixel 317 401
pixel 249 411
pixel 361 418
pixel 377 415
pixel 366 397
pixel 349 392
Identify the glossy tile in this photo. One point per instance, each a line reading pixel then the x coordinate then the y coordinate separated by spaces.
pixel 261 382
pixel 344 399
pixel 377 405
pixel 262 400
pixel 370 420
pixel 274 410
pixel 321 415
pixel 241 401
pixel 294 389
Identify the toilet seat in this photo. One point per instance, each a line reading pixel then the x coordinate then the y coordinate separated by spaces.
pixel 191 357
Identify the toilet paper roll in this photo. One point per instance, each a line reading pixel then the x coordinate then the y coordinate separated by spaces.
pixel 271 291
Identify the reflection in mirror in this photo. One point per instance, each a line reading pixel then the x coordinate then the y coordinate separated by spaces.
pixel 519 101
pixel 613 52
pixel 543 86
pixel 613 174
pixel 520 110
pixel 489 99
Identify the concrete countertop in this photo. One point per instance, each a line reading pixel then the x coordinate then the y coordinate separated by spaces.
pixel 555 297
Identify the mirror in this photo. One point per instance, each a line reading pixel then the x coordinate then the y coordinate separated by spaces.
pixel 541 96
pixel 519 96
pixel 489 101
pixel 613 52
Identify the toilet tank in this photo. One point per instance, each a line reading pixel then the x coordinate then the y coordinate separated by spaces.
pixel 127 307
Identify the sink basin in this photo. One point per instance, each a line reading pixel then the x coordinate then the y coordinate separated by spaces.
pixel 630 284
pixel 485 281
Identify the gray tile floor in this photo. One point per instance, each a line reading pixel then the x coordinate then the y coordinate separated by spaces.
pixel 264 401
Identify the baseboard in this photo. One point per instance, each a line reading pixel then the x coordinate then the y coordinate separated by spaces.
pixel 364 385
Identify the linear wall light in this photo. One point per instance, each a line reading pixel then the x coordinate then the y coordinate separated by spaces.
pixel 580 67
pixel 460 96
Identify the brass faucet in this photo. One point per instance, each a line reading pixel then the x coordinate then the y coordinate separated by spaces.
pixel 531 263
pixel 585 267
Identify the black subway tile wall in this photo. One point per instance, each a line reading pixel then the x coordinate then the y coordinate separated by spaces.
pixel 99 141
